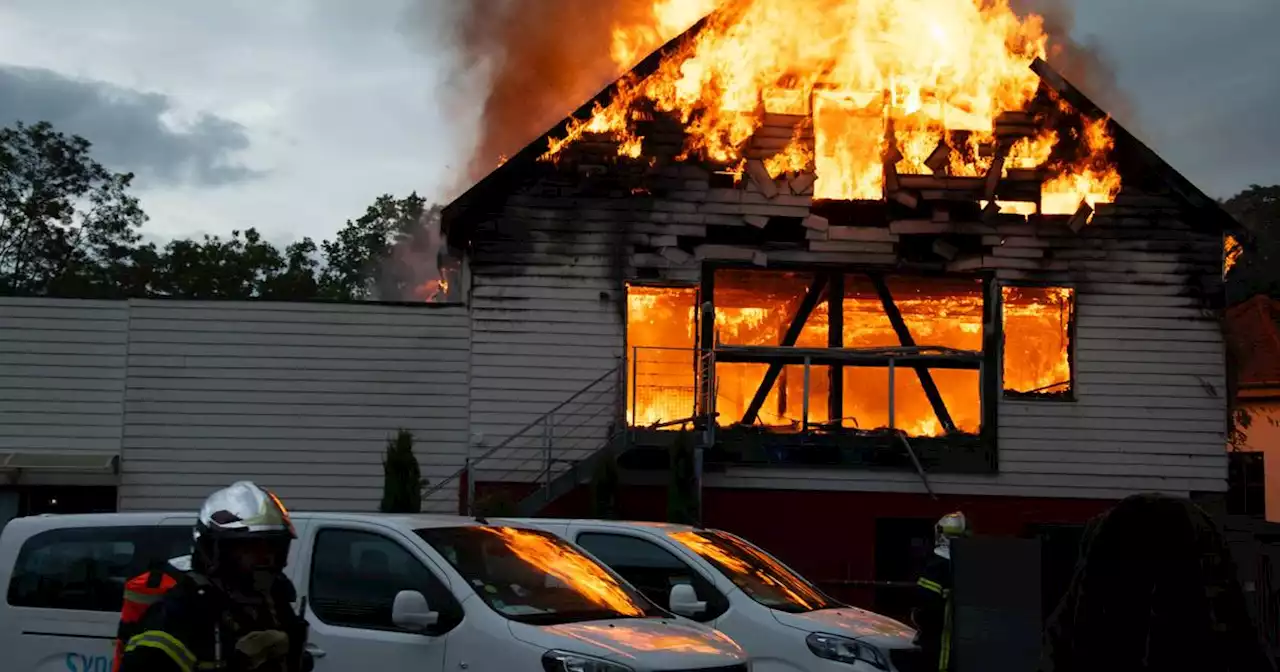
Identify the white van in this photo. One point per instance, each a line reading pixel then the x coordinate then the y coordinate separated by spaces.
pixel 423 593
pixel 783 620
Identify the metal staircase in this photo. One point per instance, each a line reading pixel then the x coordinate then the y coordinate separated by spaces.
pixel 556 452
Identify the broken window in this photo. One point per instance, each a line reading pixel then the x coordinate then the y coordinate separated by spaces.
pixel 661 355
pixel 940 312
pixel 757 308
pixel 760 312
pixel 1037 341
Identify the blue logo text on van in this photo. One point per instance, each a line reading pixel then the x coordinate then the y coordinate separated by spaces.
pixel 79 662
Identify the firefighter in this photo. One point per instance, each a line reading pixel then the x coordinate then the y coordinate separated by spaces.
pixel 932 617
pixel 231 611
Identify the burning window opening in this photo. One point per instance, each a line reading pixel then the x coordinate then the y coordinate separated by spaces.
pixel 661 354
pixel 942 78
pixel 755 308
pixel 1037 341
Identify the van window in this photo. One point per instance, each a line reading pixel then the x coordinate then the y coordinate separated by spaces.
pixel 755 572
pixel 653 569
pixel 85 569
pixel 355 576
pixel 535 577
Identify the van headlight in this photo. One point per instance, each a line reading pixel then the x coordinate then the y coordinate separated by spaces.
pixel 844 650
pixel 565 661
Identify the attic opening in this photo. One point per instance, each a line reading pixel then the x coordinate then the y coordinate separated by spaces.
pixel 823 350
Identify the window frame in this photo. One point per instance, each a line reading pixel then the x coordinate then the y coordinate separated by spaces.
pixel 147 540
pixel 451 612
pixel 705 587
pixel 627 397
pixel 1071 395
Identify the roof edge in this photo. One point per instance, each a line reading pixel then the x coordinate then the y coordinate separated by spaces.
pixel 1189 193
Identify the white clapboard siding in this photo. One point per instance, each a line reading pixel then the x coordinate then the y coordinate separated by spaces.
pixel 1150 413
pixel 62 370
pixel 300 397
pixel 546 322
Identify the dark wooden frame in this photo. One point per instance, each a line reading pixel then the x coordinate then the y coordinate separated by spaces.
pixel 976 454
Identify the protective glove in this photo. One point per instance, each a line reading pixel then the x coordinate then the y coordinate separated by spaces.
pixel 261 646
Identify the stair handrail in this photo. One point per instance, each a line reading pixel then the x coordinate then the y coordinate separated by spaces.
pixel 472 462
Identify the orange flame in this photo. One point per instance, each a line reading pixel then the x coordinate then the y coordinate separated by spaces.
pixel 432 290
pixel 574 569
pixel 919 74
pixel 1231 251
pixel 755 308
pixel 1093 179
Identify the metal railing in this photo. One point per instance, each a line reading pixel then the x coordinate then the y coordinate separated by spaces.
pixel 543 449
pixel 670 387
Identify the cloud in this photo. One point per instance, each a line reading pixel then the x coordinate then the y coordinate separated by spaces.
pixel 130 130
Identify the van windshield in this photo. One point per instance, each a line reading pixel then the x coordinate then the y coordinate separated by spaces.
pixel 757 573
pixel 535 577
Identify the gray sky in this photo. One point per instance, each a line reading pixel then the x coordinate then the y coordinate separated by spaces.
pixel 293 115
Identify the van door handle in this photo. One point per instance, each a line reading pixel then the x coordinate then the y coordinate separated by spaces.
pixel 315 651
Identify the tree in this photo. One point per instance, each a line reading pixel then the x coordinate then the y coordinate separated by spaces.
pixel 1258 209
pixel 67 225
pixel 243 266
pixel 384 254
pixel 69 228
pixel 402 483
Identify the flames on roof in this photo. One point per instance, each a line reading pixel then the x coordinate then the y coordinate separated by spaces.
pixel 920 84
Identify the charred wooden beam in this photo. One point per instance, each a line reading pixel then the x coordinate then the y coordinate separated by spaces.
pixel 803 311
pixel 817 223
pixel 1083 214
pixel 802 184
pixel 945 250
pixel 940 158
pixel 907 198
pixel 961 360
pixel 760 176
pixel 835 339
pixel 904 335
pixel 993 178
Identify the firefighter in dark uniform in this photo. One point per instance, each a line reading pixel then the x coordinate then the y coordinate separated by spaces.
pixel 932 617
pixel 231 610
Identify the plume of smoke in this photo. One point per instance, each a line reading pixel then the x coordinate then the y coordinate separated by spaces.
pixel 1084 62
pixel 526 64
pixel 418 266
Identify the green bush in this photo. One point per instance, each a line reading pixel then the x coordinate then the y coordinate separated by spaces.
pixel 402 483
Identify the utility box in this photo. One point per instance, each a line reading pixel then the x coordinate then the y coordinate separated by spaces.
pixel 998 616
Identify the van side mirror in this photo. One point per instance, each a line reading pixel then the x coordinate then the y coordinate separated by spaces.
pixel 410 611
pixel 684 601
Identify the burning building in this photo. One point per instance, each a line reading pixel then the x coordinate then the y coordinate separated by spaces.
pixel 876 249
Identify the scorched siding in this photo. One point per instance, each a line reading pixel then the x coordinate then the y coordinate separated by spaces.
pixel 62 370
pixel 301 397
pixel 546 310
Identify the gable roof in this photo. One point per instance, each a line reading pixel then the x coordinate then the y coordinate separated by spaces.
pixel 485 197
pixel 1254 339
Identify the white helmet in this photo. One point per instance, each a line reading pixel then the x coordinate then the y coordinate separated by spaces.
pixel 949 527
pixel 241 511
